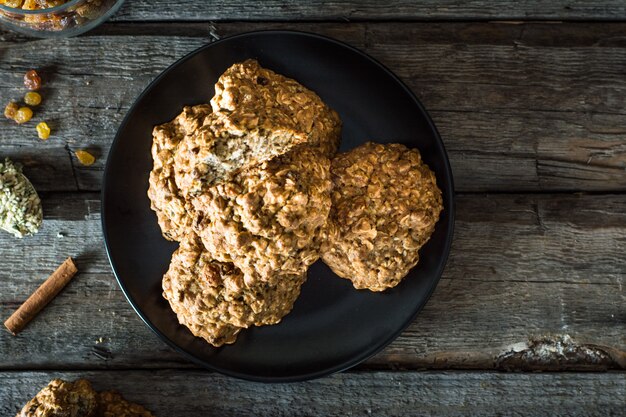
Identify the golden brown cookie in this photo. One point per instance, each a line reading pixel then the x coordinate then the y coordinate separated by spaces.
pixel 260 120
pixel 214 153
pixel 246 89
pixel 257 115
pixel 171 209
pixel 385 206
pixel 112 404
pixel 212 299
pixel 268 220
pixel 62 399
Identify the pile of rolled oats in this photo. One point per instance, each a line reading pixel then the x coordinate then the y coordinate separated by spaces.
pixel 74 15
pixel 20 206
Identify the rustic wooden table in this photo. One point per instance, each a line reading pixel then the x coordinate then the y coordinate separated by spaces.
pixel 530 99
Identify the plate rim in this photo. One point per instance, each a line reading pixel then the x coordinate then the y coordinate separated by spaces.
pixel 367 353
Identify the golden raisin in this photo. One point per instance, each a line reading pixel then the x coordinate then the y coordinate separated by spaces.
pixel 29 5
pixel 85 157
pixel 43 130
pixel 11 110
pixel 32 98
pixel 32 80
pixel 23 115
pixel 13 3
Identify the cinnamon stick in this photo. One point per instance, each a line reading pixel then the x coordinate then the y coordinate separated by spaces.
pixel 41 297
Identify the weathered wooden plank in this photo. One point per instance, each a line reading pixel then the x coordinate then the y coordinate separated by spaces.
pixel 182 393
pixel 532 107
pixel 139 10
pixel 533 281
pixel 49 168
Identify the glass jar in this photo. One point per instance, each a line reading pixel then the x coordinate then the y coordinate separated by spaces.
pixel 65 19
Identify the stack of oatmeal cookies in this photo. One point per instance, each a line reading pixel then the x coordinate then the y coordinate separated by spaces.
pixel 245 184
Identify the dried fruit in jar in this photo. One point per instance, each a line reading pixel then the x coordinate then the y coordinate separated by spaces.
pixel 11 110
pixel 32 80
pixel 23 115
pixel 32 98
pixel 29 5
pixel 85 157
pixel 35 4
pixel 13 3
pixel 43 130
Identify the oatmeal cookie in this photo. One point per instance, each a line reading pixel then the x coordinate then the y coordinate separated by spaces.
pixel 385 206
pixel 214 153
pixel 62 399
pixel 212 299
pixel 171 209
pixel 112 404
pixel 253 97
pixel 268 219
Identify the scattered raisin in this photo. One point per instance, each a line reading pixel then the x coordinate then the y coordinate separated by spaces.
pixel 85 157
pixel 43 130
pixel 32 80
pixel 32 98
pixel 11 110
pixel 23 115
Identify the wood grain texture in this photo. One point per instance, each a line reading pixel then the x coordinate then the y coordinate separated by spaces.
pixel 346 10
pixel 531 107
pixel 533 282
pixel 49 170
pixel 176 393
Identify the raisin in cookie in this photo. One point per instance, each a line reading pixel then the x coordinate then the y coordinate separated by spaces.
pixel 385 206
pixel 268 220
pixel 247 93
pixel 212 299
pixel 62 399
pixel 171 208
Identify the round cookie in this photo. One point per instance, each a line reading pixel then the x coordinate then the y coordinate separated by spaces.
pixel 247 88
pixel 269 218
pixel 212 299
pixel 60 399
pixel 385 206
pixel 170 207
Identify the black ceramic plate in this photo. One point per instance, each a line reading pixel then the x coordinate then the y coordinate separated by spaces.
pixel 332 326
